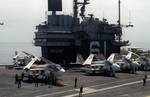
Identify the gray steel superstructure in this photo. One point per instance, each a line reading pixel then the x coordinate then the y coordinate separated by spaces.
pixel 62 37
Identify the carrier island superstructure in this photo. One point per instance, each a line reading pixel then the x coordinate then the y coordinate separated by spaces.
pixel 62 37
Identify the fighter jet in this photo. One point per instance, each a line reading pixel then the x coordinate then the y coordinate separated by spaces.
pixel 106 67
pixel 21 59
pixel 36 66
pixel 129 64
pixel 40 66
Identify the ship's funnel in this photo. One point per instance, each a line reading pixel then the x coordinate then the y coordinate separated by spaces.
pixel 54 5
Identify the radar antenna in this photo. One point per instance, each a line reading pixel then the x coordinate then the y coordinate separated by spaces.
pixel 1 23
pixel 76 5
pixel 119 21
pixel 130 23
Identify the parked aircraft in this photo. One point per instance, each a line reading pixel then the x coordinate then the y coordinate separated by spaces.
pixel 36 66
pixel 21 59
pixel 39 66
pixel 106 67
pixel 129 64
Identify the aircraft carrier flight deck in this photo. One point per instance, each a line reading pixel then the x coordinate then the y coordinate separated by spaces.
pixel 123 85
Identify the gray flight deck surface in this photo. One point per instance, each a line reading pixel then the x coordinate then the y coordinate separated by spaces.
pixel 124 85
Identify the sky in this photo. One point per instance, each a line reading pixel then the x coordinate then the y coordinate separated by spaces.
pixel 21 17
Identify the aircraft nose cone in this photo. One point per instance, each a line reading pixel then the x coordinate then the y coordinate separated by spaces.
pixel 62 70
pixel 116 67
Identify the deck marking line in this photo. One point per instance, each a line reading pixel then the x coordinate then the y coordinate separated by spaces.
pixel 108 88
pixel 54 93
pixel 74 89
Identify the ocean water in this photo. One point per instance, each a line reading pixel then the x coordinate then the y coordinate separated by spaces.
pixel 7 51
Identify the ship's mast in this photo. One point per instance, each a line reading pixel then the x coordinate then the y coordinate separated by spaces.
pixel 119 19
pixel 119 11
pixel 75 8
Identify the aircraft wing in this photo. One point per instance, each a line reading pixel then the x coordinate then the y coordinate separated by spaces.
pixel 28 54
pixel 98 64
pixel 28 66
pixel 52 65
pixel 34 69
pixel 89 60
pixel 47 61
pixel 40 66
pixel 15 57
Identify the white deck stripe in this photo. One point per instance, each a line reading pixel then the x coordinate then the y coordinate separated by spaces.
pixel 54 93
pixel 75 89
pixel 90 87
pixel 108 88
